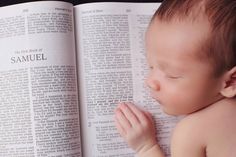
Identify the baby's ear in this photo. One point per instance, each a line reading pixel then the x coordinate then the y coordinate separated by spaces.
pixel 229 83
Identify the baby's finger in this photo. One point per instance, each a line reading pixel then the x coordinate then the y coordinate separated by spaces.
pixel 149 116
pixel 129 114
pixel 119 127
pixel 138 112
pixel 121 118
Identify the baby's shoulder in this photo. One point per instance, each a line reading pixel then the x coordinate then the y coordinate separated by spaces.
pixel 220 115
pixel 221 112
pixel 212 128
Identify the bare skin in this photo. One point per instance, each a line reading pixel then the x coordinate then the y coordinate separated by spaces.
pixel 137 128
pixel 207 133
pixel 209 129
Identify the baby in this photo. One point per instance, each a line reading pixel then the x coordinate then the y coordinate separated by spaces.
pixel 191 52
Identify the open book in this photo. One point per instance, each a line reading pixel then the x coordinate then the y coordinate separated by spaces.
pixel 63 69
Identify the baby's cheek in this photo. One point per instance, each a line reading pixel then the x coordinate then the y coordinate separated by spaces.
pixel 175 100
pixel 174 93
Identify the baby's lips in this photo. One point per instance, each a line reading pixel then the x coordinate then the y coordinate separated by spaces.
pixel 154 96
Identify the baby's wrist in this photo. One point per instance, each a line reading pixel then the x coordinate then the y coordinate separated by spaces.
pixel 143 147
pixel 150 151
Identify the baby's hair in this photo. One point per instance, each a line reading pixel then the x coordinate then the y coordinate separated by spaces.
pixel 220 47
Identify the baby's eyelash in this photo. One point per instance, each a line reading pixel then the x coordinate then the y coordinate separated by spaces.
pixel 172 77
pixel 150 67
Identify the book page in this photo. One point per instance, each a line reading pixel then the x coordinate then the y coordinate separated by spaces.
pixel 112 68
pixel 38 88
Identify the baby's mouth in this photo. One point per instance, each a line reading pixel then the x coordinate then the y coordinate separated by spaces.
pixel 154 96
pixel 158 101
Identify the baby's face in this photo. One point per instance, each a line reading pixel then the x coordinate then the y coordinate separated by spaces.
pixel 180 81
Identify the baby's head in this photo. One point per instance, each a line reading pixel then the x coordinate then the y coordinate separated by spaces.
pixel 191 50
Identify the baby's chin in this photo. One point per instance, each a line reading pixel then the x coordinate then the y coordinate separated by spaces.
pixel 169 111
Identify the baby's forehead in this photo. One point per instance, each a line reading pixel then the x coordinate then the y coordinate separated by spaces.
pixel 182 37
pixel 201 22
pixel 179 32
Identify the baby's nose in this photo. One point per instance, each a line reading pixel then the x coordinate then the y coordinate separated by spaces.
pixel 153 83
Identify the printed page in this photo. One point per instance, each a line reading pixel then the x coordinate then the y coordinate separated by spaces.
pixel 38 90
pixel 112 67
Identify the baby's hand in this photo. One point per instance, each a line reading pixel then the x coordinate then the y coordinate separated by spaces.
pixel 136 127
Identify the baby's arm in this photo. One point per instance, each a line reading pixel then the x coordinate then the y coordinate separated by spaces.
pixel 138 130
pixel 189 138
